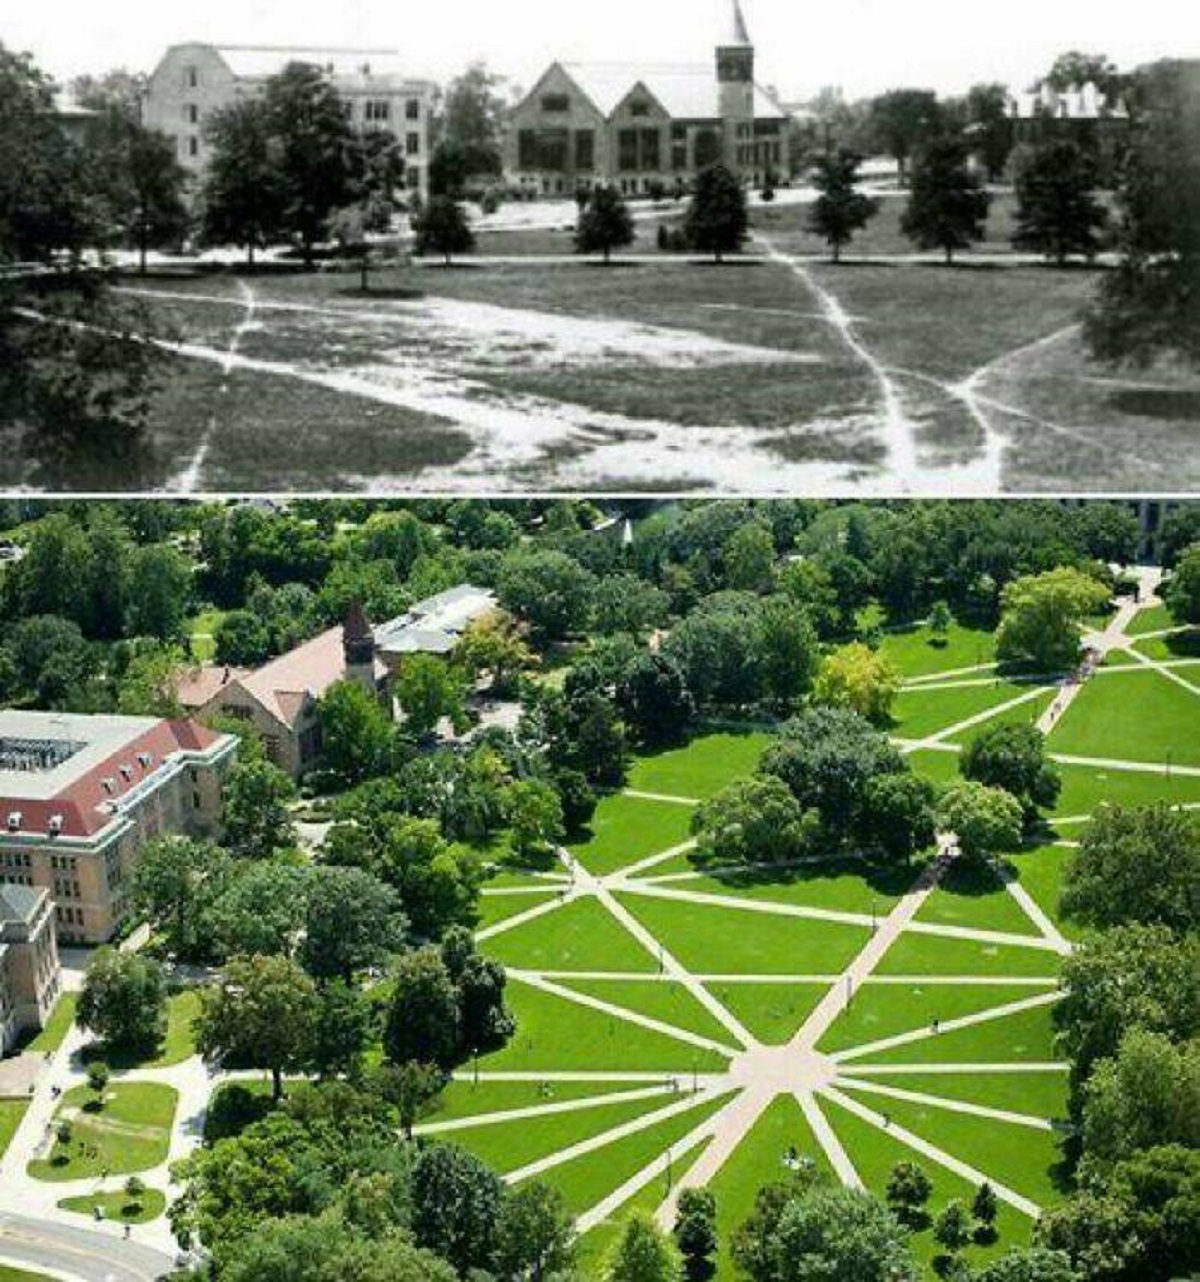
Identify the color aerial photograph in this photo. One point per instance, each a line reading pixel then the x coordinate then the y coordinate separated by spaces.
pixel 637 891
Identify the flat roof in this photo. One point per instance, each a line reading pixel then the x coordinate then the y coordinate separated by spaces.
pixel 433 626
pixel 91 740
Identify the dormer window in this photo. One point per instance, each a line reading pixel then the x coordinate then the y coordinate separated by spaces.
pixel 15 819
pixel 55 826
pixel 109 785
pixel 126 773
pixel 639 108
pixel 144 760
pixel 556 103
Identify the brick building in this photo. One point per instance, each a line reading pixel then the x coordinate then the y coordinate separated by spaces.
pixel 30 977
pixel 80 795
pixel 192 81
pixel 641 127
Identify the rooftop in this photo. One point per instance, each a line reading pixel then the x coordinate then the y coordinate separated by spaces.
pixel 260 62
pixel 434 626
pixel 685 91
pixel 19 903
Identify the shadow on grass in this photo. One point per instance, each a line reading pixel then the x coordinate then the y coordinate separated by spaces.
pixel 885 880
pixel 394 295
pixel 1164 403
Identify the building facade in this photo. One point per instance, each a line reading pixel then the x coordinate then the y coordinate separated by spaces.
pixel 1083 115
pixel 194 81
pixel 30 976
pixel 648 128
pixel 81 795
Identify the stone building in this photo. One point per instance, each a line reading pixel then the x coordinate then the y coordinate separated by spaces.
pixel 30 977
pixel 641 128
pixel 192 81
pixel 80 796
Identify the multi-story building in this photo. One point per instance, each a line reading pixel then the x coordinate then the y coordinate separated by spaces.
pixel 81 795
pixel 30 976
pixel 1083 115
pixel 644 127
pixel 193 81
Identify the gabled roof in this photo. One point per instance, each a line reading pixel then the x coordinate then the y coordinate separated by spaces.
pixel 686 91
pixel 20 903
pixel 260 62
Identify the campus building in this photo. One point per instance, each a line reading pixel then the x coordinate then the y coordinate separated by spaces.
pixel 278 701
pixel 642 128
pixel 80 796
pixel 192 81
pixel 1082 114
pixel 30 977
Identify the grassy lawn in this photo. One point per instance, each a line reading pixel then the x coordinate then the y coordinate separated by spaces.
pixel 874 1153
pixel 940 768
pixel 57 1025
pixel 758 1161
pixel 118 1206
pixel 1024 714
pixel 555 1033
pixel 1027 1036
pixel 700 769
pixel 1179 645
pixel 1041 871
pixel 177 1044
pixel 774 1013
pixel 973 896
pixel 917 652
pixel 11 1112
pixel 1154 618
pixel 842 885
pixel 918 714
pixel 669 1002
pixel 917 954
pixel 627 829
pixel 1134 716
pixel 1087 787
pixel 202 630
pixel 129 1134
pixel 10 1274
pixel 490 910
pixel 582 935
pixel 466 1098
pixel 884 1010
pixel 1036 1094
pixel 730 941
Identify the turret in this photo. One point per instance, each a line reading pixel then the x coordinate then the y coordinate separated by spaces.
pixel 358 646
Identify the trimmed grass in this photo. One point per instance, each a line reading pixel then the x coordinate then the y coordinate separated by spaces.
pixel 1134 716
pixel 916 652
pixel 11 1113
pixel 1041 873
pixel 130 1134
pixel 1152 618
pixel 627 829
pixel 758 1161
pixel 919 713
pixel 118 1206
pixel 885 1010
pixel 1038 1094
pixel 916 954
pixel 940 768
pixel 465 1098
pixel 730 941
pixel 1024 714
pixel 57 1026
pixel 507 1146
pixel 490 910
pixel 582 935
pixel 1087 787
pixel 1184 644
pixel 774 1013
pixel 1027 1036
pixel 840 885
pixel 9 1274
pixel 669 1002
pixel 177 1045
pixel 554 1033
pixel 702 768
pixel 970 895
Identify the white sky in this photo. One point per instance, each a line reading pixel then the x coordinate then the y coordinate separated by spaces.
pixel 863 45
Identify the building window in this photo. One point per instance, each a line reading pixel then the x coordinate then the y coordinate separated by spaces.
pixel 191 77
pixel 651 150
pixel 639 109
pixel 377 109
pixel 271 747
pixel 193 146
pixel 556 104
pixel 412 145
pixel 196 802
pixel 679 156
pixel 585 150
pixel 412 109
pixel 627 149
pixel 193 114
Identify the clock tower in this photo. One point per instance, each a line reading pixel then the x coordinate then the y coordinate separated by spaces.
pixel 735 81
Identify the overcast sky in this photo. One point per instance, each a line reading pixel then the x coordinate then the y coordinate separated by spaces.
pixel 863 45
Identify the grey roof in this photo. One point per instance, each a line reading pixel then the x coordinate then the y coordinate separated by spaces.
pixel 684 92
pixel 19 903
pixel 434 626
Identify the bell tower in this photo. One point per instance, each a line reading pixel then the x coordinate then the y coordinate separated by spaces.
pixel 358 646
pixel 735 82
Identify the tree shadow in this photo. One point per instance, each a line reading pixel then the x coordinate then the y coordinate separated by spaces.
pixel 1179 404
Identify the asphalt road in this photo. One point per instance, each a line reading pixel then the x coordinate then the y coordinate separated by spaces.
pixel 78 1253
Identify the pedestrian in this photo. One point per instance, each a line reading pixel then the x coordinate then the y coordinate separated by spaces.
pixel 937 1025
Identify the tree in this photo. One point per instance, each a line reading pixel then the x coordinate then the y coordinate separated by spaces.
pixel 941 620
pixel 457 1204
pixel 262 1012
pixel 244 189
pixel 255 810
pixel 986 821
pixel 985 1207
pixel 841 209
pixel 755 821
pixel 1136 866
pixel 1149 306
pixel 485 1023
pixel 1057 211
pixel 242 639
pixel 124 1001
pixel 625 603
pixel 353 921
pixel 642 1254
pixel 471 123
pixel 175 882
pixel 1182 593
pixel 989 127
pixel 410 1087
pixel 788 652
pixel 442 228
pixel 749 556
pixel 261 910
pixel 841 1234
pixel 1043 615
pixel 549 590
pixel 98 1076
pixel 861 679
pixel 1147 1095
pixel 908 1192
pixel 717 220
pixel 428 689
pixel 423 1020
pixel 536 1233
pixel 695 1233
pixel 899 815
pixel 160 582
pixel 1074 69
pixel 949 206
pixel 1029 1264
pixel 356 732
pixel 342 1030
pixel 149 685
pixel 654 699
pixel 536 816
pixel 952 1229
pixel 495 645
pixel 902 120
pixel 605 223
pixel 1013 757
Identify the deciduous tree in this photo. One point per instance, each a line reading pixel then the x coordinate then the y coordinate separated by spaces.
pixel 841 209
pixel 948 208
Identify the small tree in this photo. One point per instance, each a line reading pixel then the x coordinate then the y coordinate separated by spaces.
pixel 97 1078
pixel 986 821
pixel 535 814
pixel 243 195
pixel 952 1230
pixel 1182 593
pixel 605 224
pixel 536 1232
pixel 1057 211
pixel 1042 617
pixel 949 206
pixel 985 1208
pixel 428 689
pixel 696 1233
pixel 908 1191
pixel 717 219
pixel 642 1254
pixel 442 228
pixel 941 620
pixel 858 678
pixel 255 811
pixel 841 209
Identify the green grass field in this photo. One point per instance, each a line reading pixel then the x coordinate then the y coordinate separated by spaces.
pixel 773 1013
pixel 918 652
pixel 626 829
pixel 973 896
pixel 919 713
pixel 57 1025
pixel 837 885
pixel 1027 1035
pixel 118 1206
pixel 668 1002
pixel 128 1135
pixel 700 769
pixel 11 1113
pixel 916 954
pixel 578 936
pixel 1136 716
